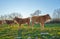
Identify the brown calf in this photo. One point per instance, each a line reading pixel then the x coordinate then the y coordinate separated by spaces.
pixel 40 19
pixel 22 20
pixel 9 22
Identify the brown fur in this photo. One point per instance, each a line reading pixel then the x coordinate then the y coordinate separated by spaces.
pixel 40 19
pixel 22 21
pixel 9 22
pixel 1 22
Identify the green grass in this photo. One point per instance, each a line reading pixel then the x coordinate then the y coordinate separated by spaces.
pixel 51 31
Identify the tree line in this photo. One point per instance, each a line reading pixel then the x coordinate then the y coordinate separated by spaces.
pixel 55 16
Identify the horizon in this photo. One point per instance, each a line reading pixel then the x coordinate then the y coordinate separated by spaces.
pixel 26 7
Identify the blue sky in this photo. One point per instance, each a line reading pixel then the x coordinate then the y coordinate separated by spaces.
pixel 26 7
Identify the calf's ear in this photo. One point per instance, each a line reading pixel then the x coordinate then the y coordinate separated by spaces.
pixel 47 14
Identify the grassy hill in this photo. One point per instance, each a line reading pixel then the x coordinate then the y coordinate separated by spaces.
pixel 51 31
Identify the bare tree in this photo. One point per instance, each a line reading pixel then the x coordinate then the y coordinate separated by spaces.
pixel 36 13
pixel 5 17
pixel 15 15
pixel 56 13
pixel 56 16
pixel 1 17
pixel 10 16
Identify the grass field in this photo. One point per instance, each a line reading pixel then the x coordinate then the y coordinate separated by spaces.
pixel 51 31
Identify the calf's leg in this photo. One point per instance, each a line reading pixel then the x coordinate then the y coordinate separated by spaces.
pixel 42 26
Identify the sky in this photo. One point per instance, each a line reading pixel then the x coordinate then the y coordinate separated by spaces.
pixel 27 7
